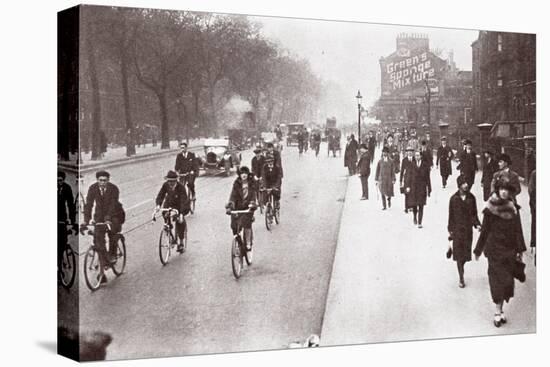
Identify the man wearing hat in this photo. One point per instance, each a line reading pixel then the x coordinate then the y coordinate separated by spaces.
pixel 187 163
pixel 363 168
pixel 505 174
pixel 371 145
pixel 271 179
pixel 468 163
pixel 350 155
pixel 427 154
pixel 103 198
pixel 490 167
pixel 393 152
pixel 385 177
pixel 462 217
pixel 276 156
pixel 406 164
pixel 173 195
pixel 443 161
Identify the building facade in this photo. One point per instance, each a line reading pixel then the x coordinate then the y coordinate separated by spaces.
pixel 420 88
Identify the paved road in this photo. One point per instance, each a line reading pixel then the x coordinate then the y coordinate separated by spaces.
pixel 194 305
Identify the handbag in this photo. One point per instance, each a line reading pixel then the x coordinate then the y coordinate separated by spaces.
pixel 518 270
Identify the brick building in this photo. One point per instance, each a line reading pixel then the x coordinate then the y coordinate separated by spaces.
pixel 405 75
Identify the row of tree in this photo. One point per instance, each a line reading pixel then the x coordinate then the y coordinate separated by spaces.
pixel 180 69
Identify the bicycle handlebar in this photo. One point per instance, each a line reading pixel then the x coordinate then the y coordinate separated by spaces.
pixel 164 210
pixel 246 211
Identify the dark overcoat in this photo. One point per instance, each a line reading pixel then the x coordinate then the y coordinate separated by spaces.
pixel 187 163
pixel 443 160
pixel 363 165
pixel 468 164
pixel 350 154
pixel 462 217
pixel 385 176
pixel 417 179
pixel 405 164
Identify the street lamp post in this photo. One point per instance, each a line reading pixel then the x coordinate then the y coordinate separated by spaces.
pixel 358 97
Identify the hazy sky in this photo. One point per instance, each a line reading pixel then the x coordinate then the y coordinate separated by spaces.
pixel 349 52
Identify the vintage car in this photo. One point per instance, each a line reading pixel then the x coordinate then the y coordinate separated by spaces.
pixel 293 130
pixel 238 138
pixel 220 157
pixel 268 137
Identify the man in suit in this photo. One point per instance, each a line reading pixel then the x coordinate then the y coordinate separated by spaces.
pixel 490 167
pixel 393 152
pixel 506 174
pixel 363 169
pixel 417 187
pixel 406 164
pixel 468 163
pixel 427 153
pixel 187 163
pixel 443 161
pixel 102 198
pixel 371 145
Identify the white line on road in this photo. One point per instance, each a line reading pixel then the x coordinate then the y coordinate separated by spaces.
pixel 139 204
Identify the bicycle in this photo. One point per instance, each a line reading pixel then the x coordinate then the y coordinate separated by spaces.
pixel 167 238
pixel 239 249
pixel 184 179
pixel 92 263
pixel 259 195
pixel 66 272
pixel 271 212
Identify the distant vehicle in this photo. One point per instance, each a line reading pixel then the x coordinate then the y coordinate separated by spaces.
pixel 220 157
pixel 238 138
pixel 293 129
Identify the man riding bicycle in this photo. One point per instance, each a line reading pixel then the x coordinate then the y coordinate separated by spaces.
pixel 243 197
pixel 65 200
pixel 173 195
pixel 188 168
pixel 271 179
pixel 108 210
pixel 276 156
pixel 257 164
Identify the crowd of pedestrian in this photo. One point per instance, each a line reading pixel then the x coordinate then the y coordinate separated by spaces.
pixel 500 232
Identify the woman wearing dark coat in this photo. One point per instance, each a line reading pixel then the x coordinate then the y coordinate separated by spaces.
pixel 417 187
pixel 501 240
pixel 350 155
pixel 462 217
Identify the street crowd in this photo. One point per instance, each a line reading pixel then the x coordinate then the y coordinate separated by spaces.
pixel 500 231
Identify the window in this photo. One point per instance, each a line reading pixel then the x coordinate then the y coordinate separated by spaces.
pixel 499 42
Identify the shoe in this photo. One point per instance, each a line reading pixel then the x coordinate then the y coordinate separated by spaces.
pixel 406 210
pixel 180 248
pixel 502 318
pixel 103 279
pixel 384 208
pixel 363 198
pixel 449 253
pixel 415 221
pixel 420 226
pixel 497 320
pixel 461 284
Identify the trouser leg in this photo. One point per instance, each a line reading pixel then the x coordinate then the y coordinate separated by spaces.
pixel 113 235
pixel 384 201
pixel 99 242
pixel 420 213
pixel 460 267
pixel 415 212
pixel 180 230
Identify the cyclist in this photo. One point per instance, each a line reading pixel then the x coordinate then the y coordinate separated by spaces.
pixel 271 179
pixel 187 163
pixel 300 137
pixel 108 210
pixel 243 197
pixel 65 200
pixel 173 195
pixel 276 156
pixel 257 164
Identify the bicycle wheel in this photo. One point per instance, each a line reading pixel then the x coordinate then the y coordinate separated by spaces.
pixel 193 200
pixel 249 236
pixel 236 259
pixel 165 245
pixel 268 216
pixel 92 269
pixel 67 272
pixel 120 264
pixel 277 214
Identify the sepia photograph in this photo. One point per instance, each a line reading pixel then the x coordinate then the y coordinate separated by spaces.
pixel 234 183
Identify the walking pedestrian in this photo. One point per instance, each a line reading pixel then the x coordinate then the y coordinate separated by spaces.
pixel 468 163
pixel 363 167
pixel 371 145
pixel 505 173
pixel 533 207
pixel 427 154
pixel 417 187
pixel 490 167
pixel 385 177
pixel 393 152
pixel 406 164
pixel 462 217
pixel 443 161
pixel 501 240
pixel 350 155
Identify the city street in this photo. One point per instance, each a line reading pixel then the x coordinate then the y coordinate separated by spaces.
pixel 194 305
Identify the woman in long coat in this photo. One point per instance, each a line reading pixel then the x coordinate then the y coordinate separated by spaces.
pixel 501 240
pixel 417 187
pixel 350 155
pixel 462 217
pixel 385 177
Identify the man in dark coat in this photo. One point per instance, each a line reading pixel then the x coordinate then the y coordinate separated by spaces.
pixel 173 195
pixel 443 161
pixel 462 217
pixel 490 167
pixel 417 187
pixel 363 168
pixel 350 155
pixel 427 154
pixel 468 164
pixel 406 164
pixel 187 163
pixel 103 198
pixel 371 145
pixel 385 178
pixel 65 202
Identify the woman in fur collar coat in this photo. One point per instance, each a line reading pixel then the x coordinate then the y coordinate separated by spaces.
pixel 501 240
